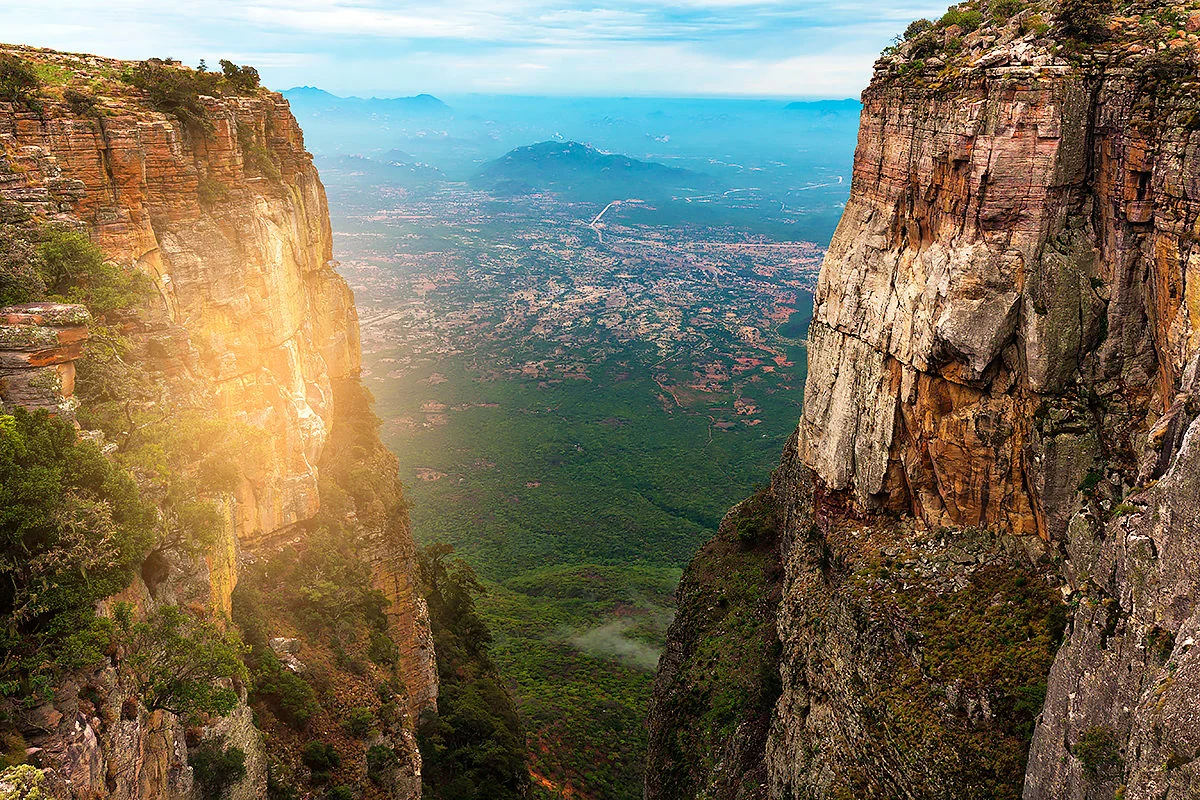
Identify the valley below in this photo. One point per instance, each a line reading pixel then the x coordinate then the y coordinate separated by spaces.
pixel 575 404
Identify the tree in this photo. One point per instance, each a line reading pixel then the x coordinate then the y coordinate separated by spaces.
pixel 216 767
pixel 75 271
pixel 473 747
pixel 18 82
pixel 1084 20
pixel 73 528
pixel 181 663
pixel 243 80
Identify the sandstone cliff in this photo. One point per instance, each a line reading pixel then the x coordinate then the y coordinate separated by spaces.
pixel 225 213
pixel 999 415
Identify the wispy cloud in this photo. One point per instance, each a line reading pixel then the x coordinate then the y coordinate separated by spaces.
pixel 753 47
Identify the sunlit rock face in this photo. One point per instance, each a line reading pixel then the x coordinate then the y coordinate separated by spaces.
pixel 233 226
pixel 230 220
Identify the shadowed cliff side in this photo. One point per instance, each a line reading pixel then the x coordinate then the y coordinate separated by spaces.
pixel 998 416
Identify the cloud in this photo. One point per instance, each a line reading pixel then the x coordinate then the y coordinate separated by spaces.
pixel 690 47
pixel 612 641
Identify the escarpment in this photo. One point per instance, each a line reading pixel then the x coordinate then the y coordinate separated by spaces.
pixel 998 424
pixel 246 326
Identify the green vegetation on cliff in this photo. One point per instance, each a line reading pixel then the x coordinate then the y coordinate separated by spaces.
pixel 43 262
pixel 74 529
pixel 719 678
pixel 337 671
pixel 962 691
pixel 473 747
pixel 79 523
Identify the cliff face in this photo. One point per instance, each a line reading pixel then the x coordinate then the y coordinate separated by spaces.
pixel 999 415
pixel 227 216
pixel 233 227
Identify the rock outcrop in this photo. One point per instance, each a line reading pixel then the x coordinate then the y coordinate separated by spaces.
pixel 999 414
pixel 39 345
pixel 222 208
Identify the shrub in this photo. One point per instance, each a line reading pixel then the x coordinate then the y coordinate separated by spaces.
pixel 291 697
pixel 321 758
pixel 210 192
pixel 255 154
pixel 473 747
pixel 24 782
pixel 968 19
pixel 382 649
pixel 1035 23
pixel 916 28
pixel 176 90
pixel 334 591
pixel 359 721
pixel 20 280
pixel 341 793
pixel 1084 20
pixel 79 101
pixel 239 80
pixel 180 661
pixel 756 522
pixel 1004 10
pixel 18 82
pixel 217 767
pixel 1097 751
pixel 380 760
pixel 75 271
pixel 279 787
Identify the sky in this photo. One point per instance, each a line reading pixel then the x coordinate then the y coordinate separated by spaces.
pixel 670 48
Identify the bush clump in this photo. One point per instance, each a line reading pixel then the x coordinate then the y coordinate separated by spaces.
pixel 321 758
pixel 1097 751
pixel 75 271
pixel 19 83
pixel 176 90
pixel 1004 10
pixel 473 747
pixel 216 767
pixel 916 28
pixel 289 696
pixel 182 664
pixel 969 19
pixel 380 760
pixel 1084 20
pixel 64 265
pixel 359 722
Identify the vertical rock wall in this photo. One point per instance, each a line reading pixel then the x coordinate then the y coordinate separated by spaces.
pixel 1000 415
pixel 229 218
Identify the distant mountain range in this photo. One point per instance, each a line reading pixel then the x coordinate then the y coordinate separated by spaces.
pixel 310 98
pixel 583 172
pixel 848 106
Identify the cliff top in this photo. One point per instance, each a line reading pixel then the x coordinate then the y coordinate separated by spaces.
pixel 1160 40
pixel 93 85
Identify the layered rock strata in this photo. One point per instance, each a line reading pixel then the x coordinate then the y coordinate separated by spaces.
pixel 999 414
pixel 227 216
pixel 39 345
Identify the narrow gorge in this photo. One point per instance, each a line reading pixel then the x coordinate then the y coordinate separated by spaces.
pixel 977 561
pixel 973 574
